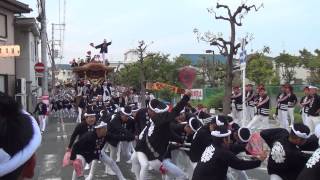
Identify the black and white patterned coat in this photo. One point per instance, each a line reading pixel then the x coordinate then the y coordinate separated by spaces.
pixel 311 170
pixel 216 160
pixel 157 134
pixel 286 159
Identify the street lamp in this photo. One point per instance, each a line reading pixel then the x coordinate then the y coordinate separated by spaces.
pixel 213 61
pixel 211 51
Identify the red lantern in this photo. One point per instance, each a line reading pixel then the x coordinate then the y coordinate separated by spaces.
pixel 187 76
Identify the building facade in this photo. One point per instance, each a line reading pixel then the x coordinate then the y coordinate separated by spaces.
pixel 8 10
pixel 27 36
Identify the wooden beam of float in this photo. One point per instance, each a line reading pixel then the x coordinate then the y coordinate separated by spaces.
pixel 93 70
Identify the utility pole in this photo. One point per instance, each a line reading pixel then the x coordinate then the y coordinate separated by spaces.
pixel 243 56
pixel 53 64
pixel 44 47
pixel 141 50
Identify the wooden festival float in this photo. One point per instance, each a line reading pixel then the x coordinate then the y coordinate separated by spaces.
pixel 94 71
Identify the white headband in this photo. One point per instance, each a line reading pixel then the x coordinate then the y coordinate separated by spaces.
pixel 206 120
pixel 102 124
pixel 190 124
pixel 313 87
pixel 242 138
pixel 156 110
pixel 317 131
pixel 218 134
pixel 300 134
pixel 127 114
pixel 101 112
pixel 86 114
pixel 10 164
pixel 218 122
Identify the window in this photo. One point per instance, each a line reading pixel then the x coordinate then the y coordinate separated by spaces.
pixel 2 84
pixel 3 26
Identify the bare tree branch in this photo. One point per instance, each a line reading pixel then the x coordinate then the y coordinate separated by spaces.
pixel 240 20
pixel 236 48
pixel 223 41
pixel 246 8
pixel 226 7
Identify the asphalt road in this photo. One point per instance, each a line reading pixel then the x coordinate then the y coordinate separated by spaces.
pixel 52 149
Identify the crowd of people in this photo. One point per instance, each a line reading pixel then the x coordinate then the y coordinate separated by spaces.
pixel 158 137
pixel 259 109
pixel 181 142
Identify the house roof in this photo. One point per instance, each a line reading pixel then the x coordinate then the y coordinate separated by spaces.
pixel 30 23
pixel 196 57
pixel 15 6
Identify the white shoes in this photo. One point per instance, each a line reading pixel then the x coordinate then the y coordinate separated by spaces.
pixel 87 167
pixel 90 177
pixel 109 171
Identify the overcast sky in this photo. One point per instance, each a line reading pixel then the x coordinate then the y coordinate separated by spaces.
pixel 282 24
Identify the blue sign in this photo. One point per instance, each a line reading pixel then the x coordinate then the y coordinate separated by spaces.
pixel 243 56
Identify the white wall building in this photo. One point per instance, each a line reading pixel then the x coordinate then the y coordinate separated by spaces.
pixel 27 36
pixel 8 10
pixel 64 73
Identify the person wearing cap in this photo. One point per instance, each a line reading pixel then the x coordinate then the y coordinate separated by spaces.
pixel 292 101
pixel 93 107
pixel 53 106
pixel 304 105
pixel 313 118
pixel 236 98
pixel 122 100
pixel 117 126
pixel 100 102
pixel 154 139
pixel 20 137
pixel 126 147
pixel 201 139
pixel 186 131
pixel 89 149
pixel 141 119
pixel 107 87
pixel 41 109
pixel 66 103
pixel 83 127
pixel 282 108
pixel 240 137
pixel 261 119
pixel 81 107
pixel 217 158
pixel 110 107
pixel 311 170
pixel 286 160
pixel 249 102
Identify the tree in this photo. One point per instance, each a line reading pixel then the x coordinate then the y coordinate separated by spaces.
pixel 287 64
pixel 212 72
pixel 312 63
pixel 260 69
pixel 156 68
pixel 228 48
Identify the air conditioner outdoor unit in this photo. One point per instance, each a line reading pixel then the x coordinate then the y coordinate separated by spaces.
pixel 22 100
pixel 21 86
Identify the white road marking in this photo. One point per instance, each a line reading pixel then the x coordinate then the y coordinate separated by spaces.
pixel 48 165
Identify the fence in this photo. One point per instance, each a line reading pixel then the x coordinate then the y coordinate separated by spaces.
pixel 273 91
